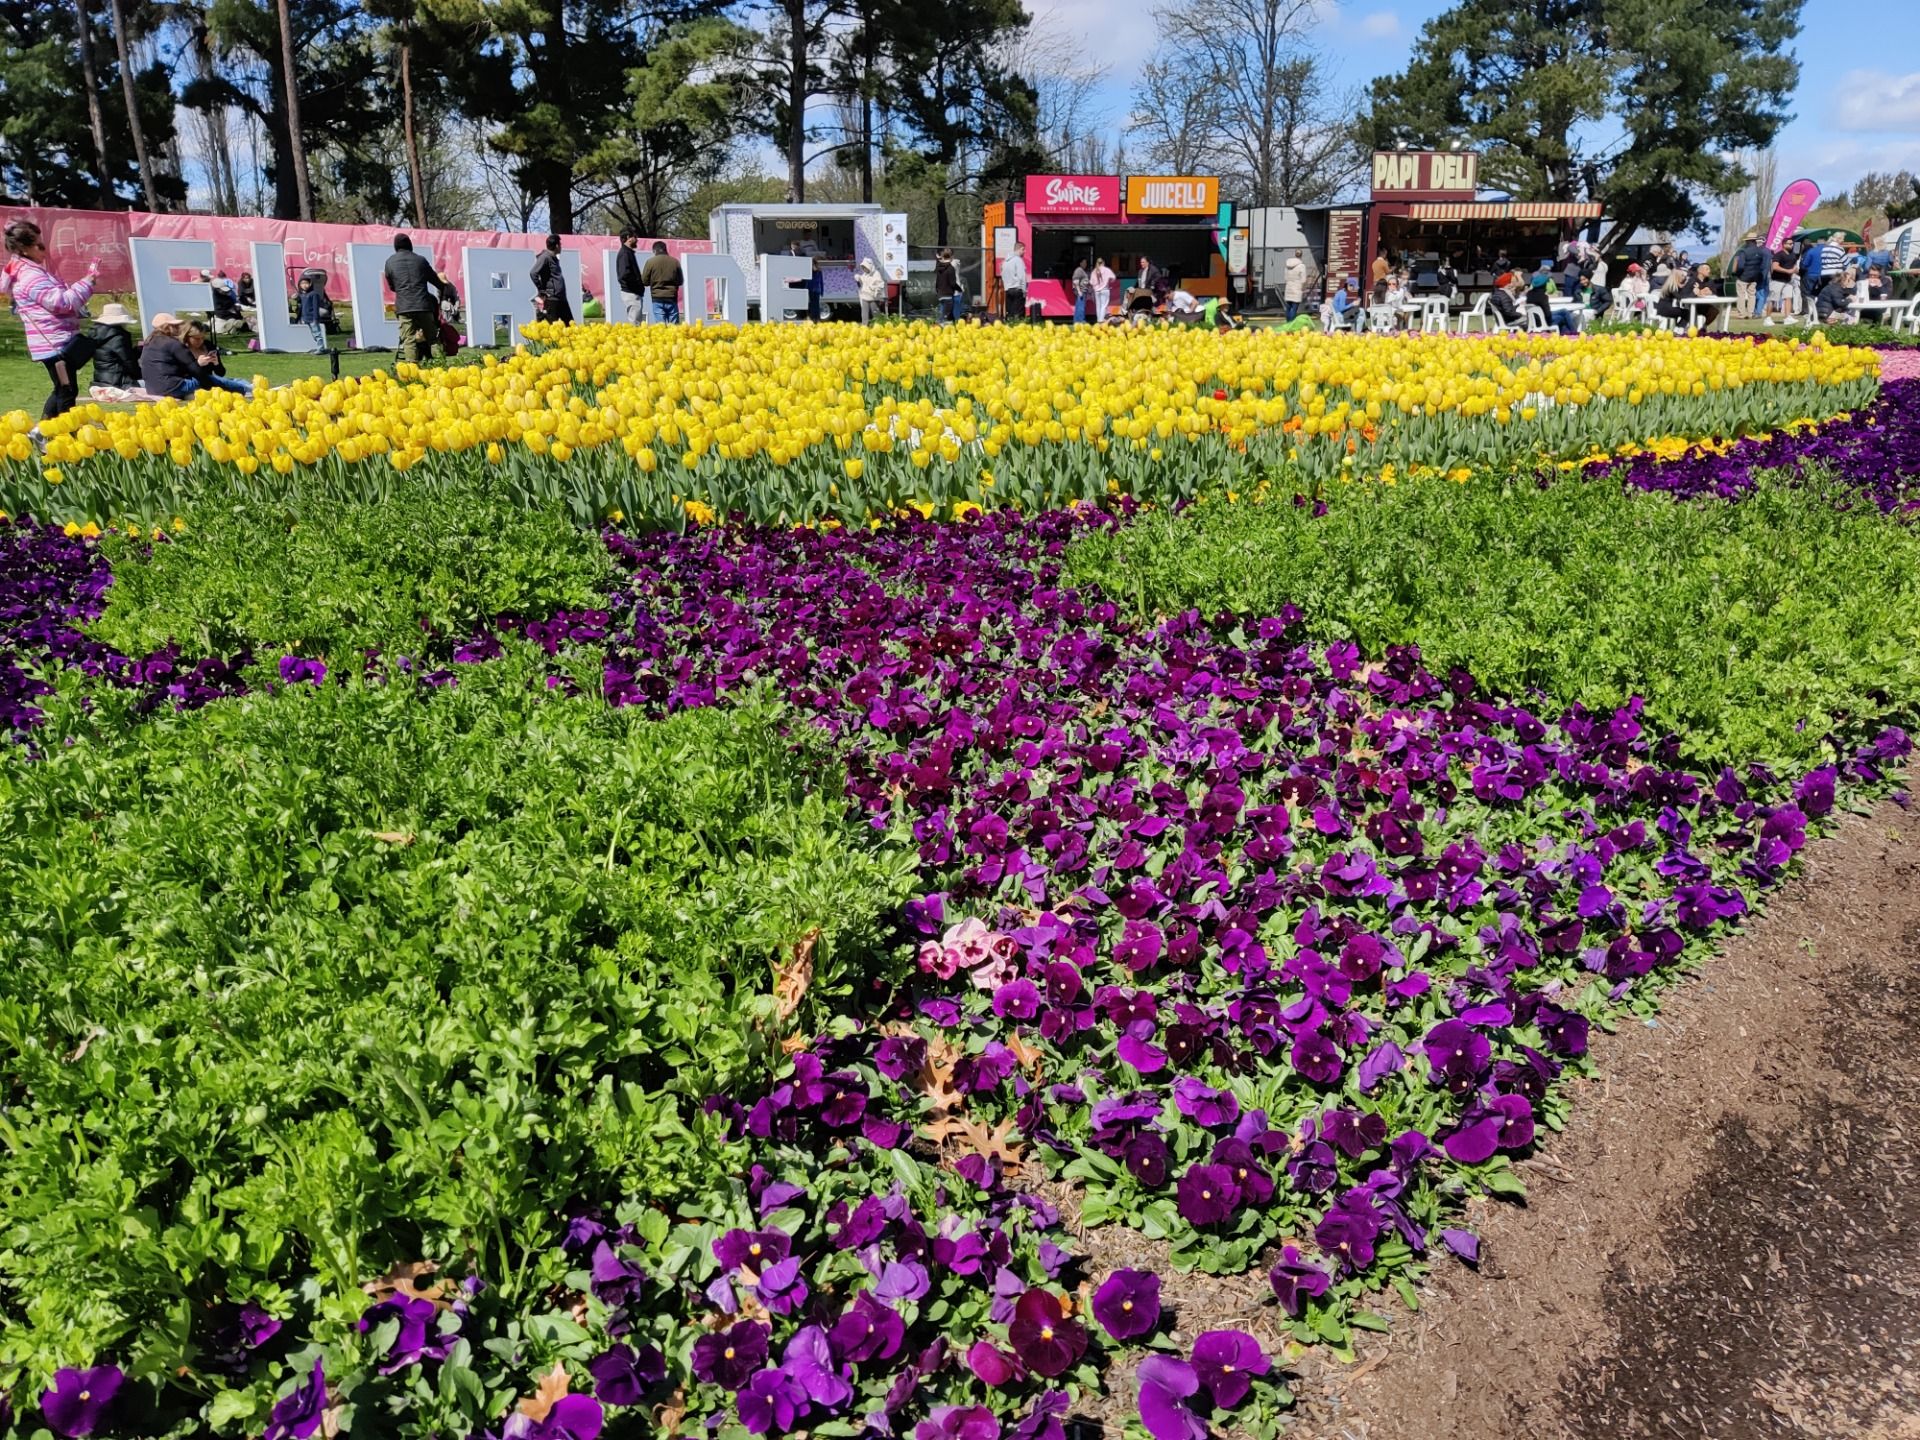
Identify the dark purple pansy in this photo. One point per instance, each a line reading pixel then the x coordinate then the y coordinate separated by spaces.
pixel 1463 1243
pixel 868 1330
pixel 730 1357
pixel 1166 1385
pixel 809 1361
pixel 1048 1342
pixel 623 1375
pixel 1205 1105
pixel 1227 1362
pixel 256 1326
pixel 616 1281
pixel 1127 1304
pixel 1207 1195
pixel 770 1402
pixel 782 1288
pixel 992 1366
pixel 754 1249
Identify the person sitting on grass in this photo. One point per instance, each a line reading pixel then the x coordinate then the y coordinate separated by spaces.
pixel 213 373
pixel 116 360
pixel 167 368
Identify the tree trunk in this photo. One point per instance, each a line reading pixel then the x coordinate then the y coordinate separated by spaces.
pixel 940 223
pixel 297 142
pixel 797 98
pixel 415 174
pixel 95 122
pixel 550 83
pixel 133 105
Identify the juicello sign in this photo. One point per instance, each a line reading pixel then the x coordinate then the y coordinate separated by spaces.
pixel 1172 195
pixel 1073 194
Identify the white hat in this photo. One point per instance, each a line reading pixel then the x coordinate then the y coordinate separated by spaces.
pixel 115 314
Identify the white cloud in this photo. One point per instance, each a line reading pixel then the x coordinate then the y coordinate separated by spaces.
pixel 1380 25
pixel 1874 100
pixel 1834 162
pixel 1090 23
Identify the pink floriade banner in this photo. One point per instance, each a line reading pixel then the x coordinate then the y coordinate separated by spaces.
pixel 1795 201
pixel 77 237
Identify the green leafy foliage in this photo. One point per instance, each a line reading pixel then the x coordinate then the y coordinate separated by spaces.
pixel 1752 629
pixel 305 985
pixel 409 573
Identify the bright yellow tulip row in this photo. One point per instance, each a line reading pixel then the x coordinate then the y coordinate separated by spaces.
pixel 798 422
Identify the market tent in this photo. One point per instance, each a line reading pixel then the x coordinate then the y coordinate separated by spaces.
pixel 1833 230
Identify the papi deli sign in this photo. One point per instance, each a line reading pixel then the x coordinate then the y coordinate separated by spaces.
pixel 1073 194
pixel 1173 195
pixel 1425 174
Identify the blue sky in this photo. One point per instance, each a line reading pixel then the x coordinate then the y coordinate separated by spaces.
pixel 1857 108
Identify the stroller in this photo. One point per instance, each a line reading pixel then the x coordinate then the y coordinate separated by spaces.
pixel 319 279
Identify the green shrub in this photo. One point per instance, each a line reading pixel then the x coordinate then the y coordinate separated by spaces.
pixel 1752 629
pixel 410 574
pixel 331 979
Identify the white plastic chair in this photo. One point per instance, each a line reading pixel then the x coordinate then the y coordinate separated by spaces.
pixel 1481 312
pixel 1380 317
pixel 1433 315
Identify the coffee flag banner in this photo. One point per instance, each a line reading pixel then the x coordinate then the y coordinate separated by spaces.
pixel 1795 201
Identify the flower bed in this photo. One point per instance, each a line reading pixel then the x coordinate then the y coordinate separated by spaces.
pixel 461 1059
pixel 783 424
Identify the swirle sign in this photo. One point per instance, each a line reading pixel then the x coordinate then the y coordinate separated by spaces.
pixel 1073 194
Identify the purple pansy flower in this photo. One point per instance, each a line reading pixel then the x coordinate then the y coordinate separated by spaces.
pixel 80 1399
pixel 1046 1340
pixel 1227 1361
pixel 770 1402
pixel 1463 1243
pixel 730 1357
pixel 1296 1281
pixel 754 1249
pixel 572 1417
pixel 809 1360
pixel 615 1281
pixel 1127 1304
pixel 902 1280
pixel 1166 1385
pixel 868 1330
pixel 1207 1195
pixel 958 1422
pixel 623 1375
pixel 1203 1104
pixel 782 1289
pixel 256 1326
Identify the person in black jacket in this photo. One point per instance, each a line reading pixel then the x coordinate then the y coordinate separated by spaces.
pixel 946 287
pixel 414 287
pixel 1835 300
pixel 550 284
pixel 116 360
pixel 206 354
pixel 626 269
pixel 167 368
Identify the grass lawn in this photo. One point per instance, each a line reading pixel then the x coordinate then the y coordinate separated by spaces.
pixel 23 380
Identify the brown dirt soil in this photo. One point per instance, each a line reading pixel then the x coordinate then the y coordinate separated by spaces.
pixel 1725 1243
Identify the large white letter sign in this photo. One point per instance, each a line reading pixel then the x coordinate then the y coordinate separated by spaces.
pixel 704 272
pixel 155 289
pixel 271 323
pixel 367 272
pixel 783 286
pixel 497 290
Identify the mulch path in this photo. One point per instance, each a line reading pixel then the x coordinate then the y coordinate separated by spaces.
pixel 1725 1243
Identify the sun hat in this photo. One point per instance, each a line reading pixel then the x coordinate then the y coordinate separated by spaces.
pixel 115 314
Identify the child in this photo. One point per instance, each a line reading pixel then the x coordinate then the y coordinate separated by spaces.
pixel 310 315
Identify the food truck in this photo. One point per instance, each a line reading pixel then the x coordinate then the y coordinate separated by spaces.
pixel 1427 205
pixel 836 237
pixel 1176 221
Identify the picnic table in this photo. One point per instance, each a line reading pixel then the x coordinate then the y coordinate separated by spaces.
pixel 1723 303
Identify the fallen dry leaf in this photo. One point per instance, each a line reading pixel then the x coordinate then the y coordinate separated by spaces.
pixel 669 1415
pixel 1028 1055
pixel 404 1279
pixel 553 1389
pixel 790 981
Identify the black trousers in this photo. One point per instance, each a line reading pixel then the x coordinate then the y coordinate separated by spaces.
pixel 64 370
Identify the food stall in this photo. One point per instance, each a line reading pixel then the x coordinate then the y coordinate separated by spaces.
pixel 1173 220
pixel 836 237
pixel 1426 207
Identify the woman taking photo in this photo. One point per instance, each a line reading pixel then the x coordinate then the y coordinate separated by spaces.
pixel 51 312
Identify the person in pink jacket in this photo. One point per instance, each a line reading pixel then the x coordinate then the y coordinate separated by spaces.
pixel 52 313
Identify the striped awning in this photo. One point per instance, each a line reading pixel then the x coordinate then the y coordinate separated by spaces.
pixel 1509 210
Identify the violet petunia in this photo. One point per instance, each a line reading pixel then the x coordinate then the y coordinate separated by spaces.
pixel 1127 1304
pixel 1166 1385
pixel 1227 1362
pixel 301 1411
